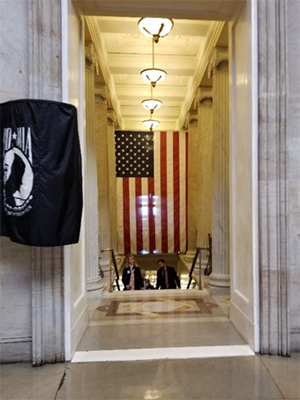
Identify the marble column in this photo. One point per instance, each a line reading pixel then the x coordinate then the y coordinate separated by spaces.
pixel 91 192
pixel 275 147
pixel 219 280
pixel 204 195
pixel 108 237
pixel 192 181
pixel 102 146
pixel 47 263
pixel 112 200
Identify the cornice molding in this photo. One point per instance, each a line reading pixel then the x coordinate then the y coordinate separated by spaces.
pixel 100 52
pixel 203 60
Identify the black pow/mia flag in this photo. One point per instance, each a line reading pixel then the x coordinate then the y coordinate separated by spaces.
pixel 134 154
pixel 40 173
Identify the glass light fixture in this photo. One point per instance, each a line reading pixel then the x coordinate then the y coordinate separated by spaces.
pixel 151 104
pixel 155 28
pixel 153 75
pixel 151 123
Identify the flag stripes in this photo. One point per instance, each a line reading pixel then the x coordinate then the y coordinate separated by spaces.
pixel 151 212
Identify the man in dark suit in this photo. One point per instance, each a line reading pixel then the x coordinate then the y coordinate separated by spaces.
pixel 166 276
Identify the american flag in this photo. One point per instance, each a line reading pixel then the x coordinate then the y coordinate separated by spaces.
pixel 151 169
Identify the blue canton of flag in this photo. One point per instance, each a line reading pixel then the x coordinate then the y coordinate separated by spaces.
pixel 134 154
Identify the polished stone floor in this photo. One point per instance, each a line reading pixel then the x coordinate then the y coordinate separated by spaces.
pixel 169 345
pixel 238 378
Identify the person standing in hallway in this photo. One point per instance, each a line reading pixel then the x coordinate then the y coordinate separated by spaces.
pixel 166 276
pixel 146 281
pixel 131 277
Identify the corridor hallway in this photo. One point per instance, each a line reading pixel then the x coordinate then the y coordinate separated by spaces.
pixel 170 345
pixel 157 324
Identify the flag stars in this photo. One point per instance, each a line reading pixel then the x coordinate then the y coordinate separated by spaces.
pixel 134 154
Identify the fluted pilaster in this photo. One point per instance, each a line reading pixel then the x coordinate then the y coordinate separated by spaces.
pixel 47 263
pixel 47 306
pixel 273 164
pixel 219 280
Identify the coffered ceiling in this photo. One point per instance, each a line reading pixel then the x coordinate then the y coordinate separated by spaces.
pixel 123 52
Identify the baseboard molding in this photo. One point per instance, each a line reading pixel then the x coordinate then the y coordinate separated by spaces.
pixel 295 341
pixel 242 323
pixel 15 349
pixel 73 338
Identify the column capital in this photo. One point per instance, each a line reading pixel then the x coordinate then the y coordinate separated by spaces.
pixel 204 93
pixel 111 117
pixel 192 118
pixel 101 91
pixel 91 57
pixel 219 55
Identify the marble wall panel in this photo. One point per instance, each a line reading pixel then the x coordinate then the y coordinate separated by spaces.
pixel 14 64
pixel 15 300
pixel 76 257
pixel 242 179
pixel 293 148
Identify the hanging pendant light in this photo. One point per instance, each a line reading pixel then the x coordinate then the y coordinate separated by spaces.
pixel 155 28
pixel 151 123
pixel 151 104
pixel 153 75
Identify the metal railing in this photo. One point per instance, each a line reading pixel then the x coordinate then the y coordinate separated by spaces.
pixel 208 268
pixel 198 250
pixel 113 269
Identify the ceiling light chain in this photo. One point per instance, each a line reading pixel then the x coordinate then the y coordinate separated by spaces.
pixel 153 53
pixel 153 75
pixel 155 28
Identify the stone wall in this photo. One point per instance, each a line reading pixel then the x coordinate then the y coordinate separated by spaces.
pixel 15 260
pixel 30 67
